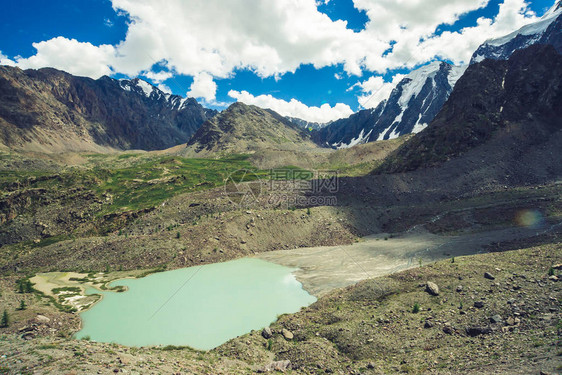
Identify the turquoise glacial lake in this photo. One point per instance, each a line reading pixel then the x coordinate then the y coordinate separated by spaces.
pixel 201 307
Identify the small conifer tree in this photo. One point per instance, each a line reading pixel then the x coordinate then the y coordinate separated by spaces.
pixel 5 321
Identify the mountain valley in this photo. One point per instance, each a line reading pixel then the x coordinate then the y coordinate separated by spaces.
pixel 428 229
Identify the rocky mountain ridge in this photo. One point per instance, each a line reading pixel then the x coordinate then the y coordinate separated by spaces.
pixel 48 110
pixel 246 129
pixel 308 125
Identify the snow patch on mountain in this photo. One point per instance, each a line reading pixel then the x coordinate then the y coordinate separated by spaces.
pixel 394 134
pixel 419 126
pixel 417 79
pixel 455 74
pixel 145 87
pixel 361 139
pixel 383 133
pixel 536 29
pixel 124 85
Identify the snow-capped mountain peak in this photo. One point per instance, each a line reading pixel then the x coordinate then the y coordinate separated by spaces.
pixel 139 86
pixel 456 73
pixel 417 99
pixel 541 31
pixel 152 94
pixel 413 104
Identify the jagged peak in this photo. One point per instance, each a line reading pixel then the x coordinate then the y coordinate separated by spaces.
pixel 239 106
pixel 412 84
pixel 146 87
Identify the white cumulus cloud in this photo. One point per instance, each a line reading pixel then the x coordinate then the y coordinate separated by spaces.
pixel 417 43
pixel 164 88
pixel 271 38
pixel 217 36
pixel 4 60
pixel 204 87
pixel 158 77
pixel 70 55
pixel 294 108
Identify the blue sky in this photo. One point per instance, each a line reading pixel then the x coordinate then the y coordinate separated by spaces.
pixel 328 62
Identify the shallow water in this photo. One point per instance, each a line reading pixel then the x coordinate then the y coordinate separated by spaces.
pixel 201 307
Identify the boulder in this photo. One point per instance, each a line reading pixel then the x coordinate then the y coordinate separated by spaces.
pixel 288 335
pixel 27 329
pixel 496 319
pixel 448 329
pixel 478 304
pixel 42 319
pixel 432 288
pixel 28 336
pixel 489 276
pixel 477 331
pixel 428 324
pixel 266 333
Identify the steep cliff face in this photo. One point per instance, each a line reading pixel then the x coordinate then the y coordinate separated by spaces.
pixel 515 102
pixel 414 102
pixel 52 111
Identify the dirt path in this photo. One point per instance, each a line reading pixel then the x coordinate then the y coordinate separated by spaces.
pixel 322 269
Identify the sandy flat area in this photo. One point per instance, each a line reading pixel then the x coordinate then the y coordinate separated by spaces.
pixel 46 282
pixel 322 269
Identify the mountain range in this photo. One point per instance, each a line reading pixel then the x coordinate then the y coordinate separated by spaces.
pixel 405 240
pixel 545 31
pixel 419 97
pixel 48 110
